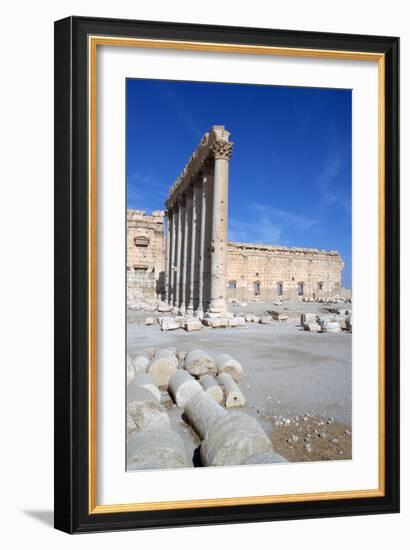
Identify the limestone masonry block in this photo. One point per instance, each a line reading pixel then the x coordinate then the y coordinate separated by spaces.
pixel 156 449
pixel 162 367
pixel 169 323
pixel 226 363
pixel 130 372
pixel 312 326
pixel 233 439
pixel 265 320
pixel 141 362
pixel 138 393
pixel 307 318
pixel 149 320
pixel 331 327
pixel 182 386
pixel 146 415
pixel 212 388
pixel 199 362
pixel 265 458
pixel 278 316
pixel 216 323
pixel 237 322
pixel 202 411
pixel 233 395
pixel 251 318
pixel 146 381
pixel 192 324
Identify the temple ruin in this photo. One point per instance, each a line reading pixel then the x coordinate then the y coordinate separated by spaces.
pixel 182 256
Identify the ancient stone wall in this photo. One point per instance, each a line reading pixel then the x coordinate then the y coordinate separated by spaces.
pixel 272 271
pixel 145 256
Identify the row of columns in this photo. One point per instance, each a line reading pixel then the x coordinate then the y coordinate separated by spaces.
pixel 196 238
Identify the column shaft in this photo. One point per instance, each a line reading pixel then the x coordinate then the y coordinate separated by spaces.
pixel 181 210
pixel 167 248
pixel 185 256
pixel 192 229
pixel 217 305
pixel 202 247
pixel 173 255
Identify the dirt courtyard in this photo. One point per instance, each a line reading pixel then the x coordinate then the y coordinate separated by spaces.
pixel 297 383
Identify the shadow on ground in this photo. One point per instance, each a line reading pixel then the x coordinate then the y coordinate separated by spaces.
pixel 43 516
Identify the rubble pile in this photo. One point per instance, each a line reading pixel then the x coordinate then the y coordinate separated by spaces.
pixel 207 391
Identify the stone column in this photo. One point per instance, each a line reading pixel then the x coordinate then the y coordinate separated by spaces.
pixel 196 232
pixel 192 230
pixel 221 151
pixel 202 246
pixel 172 287
pixel 181 212
pixel 184 255
pixel 167 248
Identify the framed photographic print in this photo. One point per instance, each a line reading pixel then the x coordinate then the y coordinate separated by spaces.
pixel 226 203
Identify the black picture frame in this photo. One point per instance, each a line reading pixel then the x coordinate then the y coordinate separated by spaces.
pixel 71 491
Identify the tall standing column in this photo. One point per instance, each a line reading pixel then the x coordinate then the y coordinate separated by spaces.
pixel 196 234
pixel 221 151
pixel 173 259
pixel 192 231
pixel 181 213
pixel 167 248
pixel 204 191
pixel 184 255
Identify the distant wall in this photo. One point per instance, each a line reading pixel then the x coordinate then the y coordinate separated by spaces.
pixel 253 270
pixel 145 255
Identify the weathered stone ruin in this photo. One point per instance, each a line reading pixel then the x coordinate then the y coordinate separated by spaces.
pixel 204 390
pixel 182 256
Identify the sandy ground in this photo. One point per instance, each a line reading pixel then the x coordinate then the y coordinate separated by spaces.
pixel 297 383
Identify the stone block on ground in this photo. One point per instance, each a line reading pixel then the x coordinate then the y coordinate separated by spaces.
pixel 156 449
pixel 212 388
pixel 146 415
pixel 138 393
pixel 237 322
pixel 233 395
pixel 192 324
pixel 226 363
pixel 169 323
pixel 307 318
pixel 265 458
pixel 201 411
pixel 332 327
pixel 141 362
pixel 130 372
pixel 182 386
pixel 279 316
pixel 251 318
pixel 198 362
pixel 146 381
pixel 163 307
pixel 220 322
pixel 312 326
pixel 233 439
pixel 265 320
pixel 149 320
pixel 162 367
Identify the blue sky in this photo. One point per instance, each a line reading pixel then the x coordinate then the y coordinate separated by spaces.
pixel 290 172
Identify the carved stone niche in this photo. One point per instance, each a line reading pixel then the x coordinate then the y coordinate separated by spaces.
pixel 141 240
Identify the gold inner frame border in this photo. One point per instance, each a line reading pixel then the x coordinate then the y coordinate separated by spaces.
pixel 93 43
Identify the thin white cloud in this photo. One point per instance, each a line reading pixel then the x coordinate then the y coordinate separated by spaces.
pixel 327 181
pixel 269 225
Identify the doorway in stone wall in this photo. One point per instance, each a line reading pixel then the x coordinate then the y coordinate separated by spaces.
pixel 257 288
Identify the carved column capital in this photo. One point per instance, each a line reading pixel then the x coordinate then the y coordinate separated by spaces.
pixel 222 149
